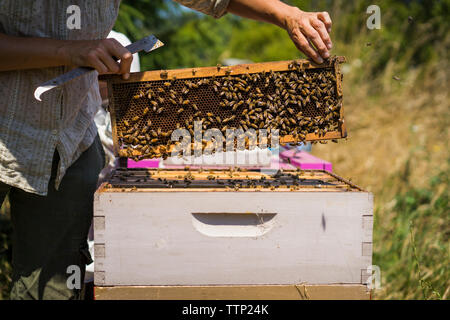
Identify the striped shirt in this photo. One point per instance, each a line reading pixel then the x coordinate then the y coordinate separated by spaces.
pixel 30 130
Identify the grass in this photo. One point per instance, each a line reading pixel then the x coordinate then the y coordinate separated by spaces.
pixel 5 252
pixel 398 149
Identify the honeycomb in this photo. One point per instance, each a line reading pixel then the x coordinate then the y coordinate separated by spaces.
pixel 304 104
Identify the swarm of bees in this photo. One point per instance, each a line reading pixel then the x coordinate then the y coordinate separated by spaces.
pixel 297 102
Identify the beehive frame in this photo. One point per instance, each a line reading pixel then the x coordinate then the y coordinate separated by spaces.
pixel 132 180
pixel 124 106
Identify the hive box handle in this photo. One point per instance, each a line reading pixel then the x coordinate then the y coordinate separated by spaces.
pixel 233 225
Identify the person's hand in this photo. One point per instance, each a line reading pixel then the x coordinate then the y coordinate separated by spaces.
pixel 102 55
pixel 310 33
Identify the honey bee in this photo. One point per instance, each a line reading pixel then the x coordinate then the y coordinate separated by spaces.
pixel 164 74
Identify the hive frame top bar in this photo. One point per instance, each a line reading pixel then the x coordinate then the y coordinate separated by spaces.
pixel 189 73
pixel 133 180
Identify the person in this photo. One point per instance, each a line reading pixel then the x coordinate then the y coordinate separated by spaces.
pixel 103 122
pixel 50 151
pixel 102 118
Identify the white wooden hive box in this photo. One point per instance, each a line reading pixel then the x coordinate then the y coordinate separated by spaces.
pixel 315 228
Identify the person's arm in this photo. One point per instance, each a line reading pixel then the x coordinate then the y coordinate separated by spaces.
pixel 17 53
pixel 308 30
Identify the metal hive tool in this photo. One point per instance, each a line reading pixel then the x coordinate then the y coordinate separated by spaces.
pixel 301 99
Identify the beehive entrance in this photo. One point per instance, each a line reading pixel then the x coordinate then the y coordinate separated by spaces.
pixel 302 101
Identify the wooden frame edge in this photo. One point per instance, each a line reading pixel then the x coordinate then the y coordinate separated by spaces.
pixel 253 292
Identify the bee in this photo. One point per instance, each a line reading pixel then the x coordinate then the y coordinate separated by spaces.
pixel 136 118
pixel 160 110
pixel 172 101
pixel 167 84
pixel 185 102
pixel 161 90
pixel 164 74
pixel 194 106
pixel 145 111
pixel 180 110
pixel 237 105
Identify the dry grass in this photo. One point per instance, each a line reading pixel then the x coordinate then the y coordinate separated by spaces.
pixel 398 141
pixel 402 127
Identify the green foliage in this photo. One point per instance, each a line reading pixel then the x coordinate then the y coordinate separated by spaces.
pixel 412 247
pixel 5 251
pixel 197 40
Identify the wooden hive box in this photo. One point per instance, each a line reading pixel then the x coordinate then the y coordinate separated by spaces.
pixel 199 234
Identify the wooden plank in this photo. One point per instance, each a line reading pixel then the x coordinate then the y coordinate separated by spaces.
pixel 249 181
pixel 113 116
pixel 227 190
pixel 280 292
pixel 189 73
